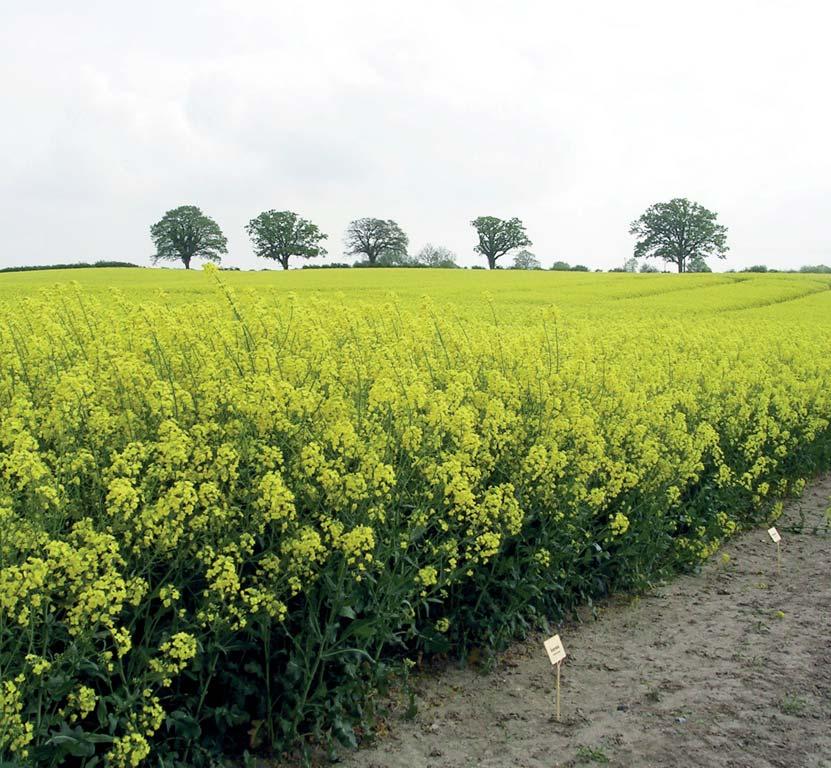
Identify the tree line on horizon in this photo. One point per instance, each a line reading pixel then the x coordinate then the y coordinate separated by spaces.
pixel 680 232
pixel 558 266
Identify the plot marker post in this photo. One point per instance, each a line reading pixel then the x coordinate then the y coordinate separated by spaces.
pixel 556 654
pixel 776 538
pixel 558 691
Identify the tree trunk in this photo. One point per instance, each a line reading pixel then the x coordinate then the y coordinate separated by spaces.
pixel 285 262
pixel 186 259
pixel 491 262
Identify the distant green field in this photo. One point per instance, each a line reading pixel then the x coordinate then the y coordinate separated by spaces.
pixel 578 294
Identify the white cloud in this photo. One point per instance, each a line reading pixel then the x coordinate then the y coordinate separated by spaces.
pixel 574 117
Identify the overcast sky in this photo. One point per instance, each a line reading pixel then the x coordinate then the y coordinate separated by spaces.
pixel 573 116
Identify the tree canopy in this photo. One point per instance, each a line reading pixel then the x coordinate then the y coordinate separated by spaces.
pixel 680 232
pixel 374 238
pixel 436 256
pixel 184 233
pixel 393 259
pixel 524 259
pixel 697 264
pixel 279 235
pixel 498 237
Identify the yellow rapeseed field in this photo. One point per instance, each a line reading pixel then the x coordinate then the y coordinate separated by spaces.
pixel 234 506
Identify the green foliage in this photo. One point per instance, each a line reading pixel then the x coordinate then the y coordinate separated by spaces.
pixel 646 267
pixel 436 256
pixel 793 705
pixel 592 754
pixel 392 259
pixel 374 238
pixel 820 269
pixel 679 232
pixel 524 259
pixel 697 264
pixel 579 268
pixel 279 235
pixel 185 233
pixel 561 266
pixel 75 265
pixel 498 237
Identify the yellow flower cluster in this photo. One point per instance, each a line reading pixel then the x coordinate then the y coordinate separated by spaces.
pixel 357 546
pixel 224 468
pixel 15 733
pixel 176 653
pixel 80 703
pixel 619 524
pixel 128 750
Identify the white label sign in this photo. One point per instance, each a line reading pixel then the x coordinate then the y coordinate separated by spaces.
pixel 774 534
pixel 555 650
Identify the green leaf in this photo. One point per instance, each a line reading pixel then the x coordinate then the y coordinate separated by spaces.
pixel 361 629
pixel 184 724
pixel 344 732
pixel 76 742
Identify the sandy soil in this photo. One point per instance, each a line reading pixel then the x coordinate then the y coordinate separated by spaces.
pixel 729 668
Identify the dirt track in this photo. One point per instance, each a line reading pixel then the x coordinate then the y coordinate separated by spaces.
pixel 729 668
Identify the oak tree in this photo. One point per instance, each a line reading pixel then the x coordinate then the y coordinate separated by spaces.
pixel 498 237
pixel 680 232
pixel 279 235
pixel 184 233
pixel 374 238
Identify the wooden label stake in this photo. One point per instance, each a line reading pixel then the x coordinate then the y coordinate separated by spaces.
pixel 558 690
pixel 556 654
pixel 776 538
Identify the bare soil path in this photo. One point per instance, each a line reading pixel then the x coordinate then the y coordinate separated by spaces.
pixel 728 668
